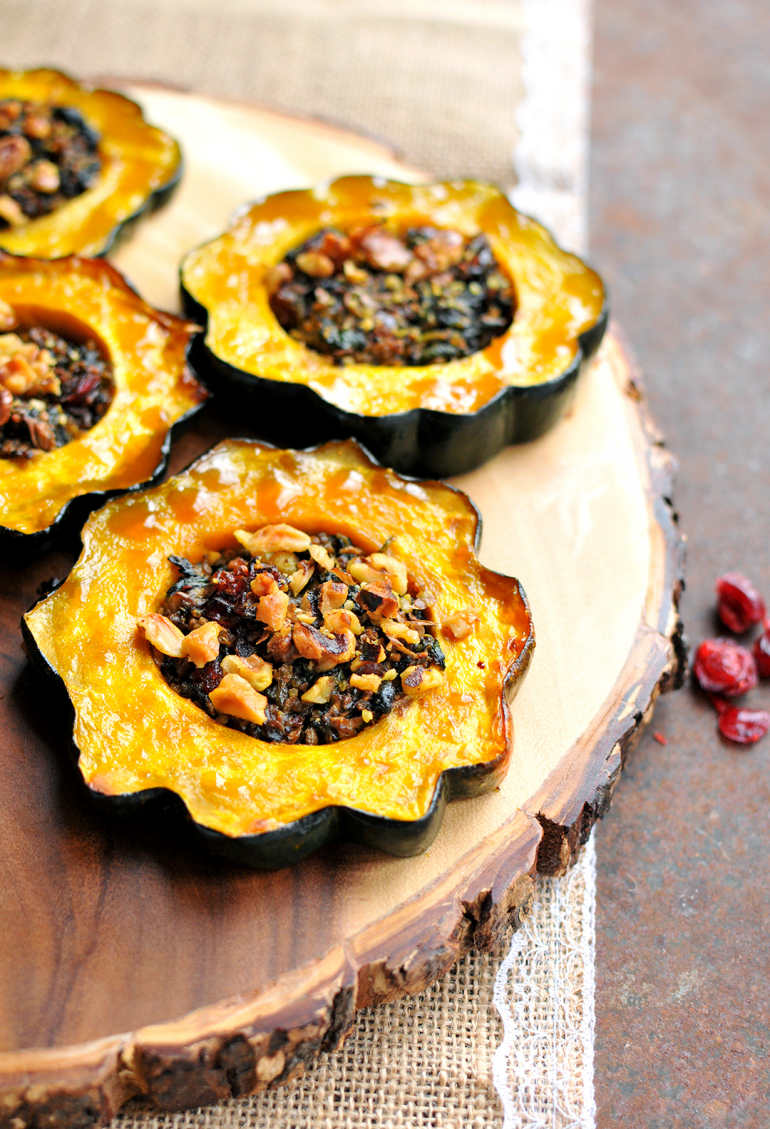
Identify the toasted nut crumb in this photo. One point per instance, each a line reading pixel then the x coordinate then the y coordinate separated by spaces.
pixel 299 579
pixel 333 596
pixel 271 610
pixel 321 690
pixel 367 716
pixel 201 646
pixel 388 676
pixel 257 672
pixel 338 621
pixel 321 557
pixel 45 177
pixel 395 569
pixel 236 697
pixel 263 584
pixel 395 630
pixel 11 212
pixel 416 680
pixel 273 539
pixel 275 277
pixel 315 263
pixel 460 625
pixel 368 682
pixel 162 634
pixel 364 572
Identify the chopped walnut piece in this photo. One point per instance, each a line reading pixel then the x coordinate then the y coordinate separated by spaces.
pixel 368 682
pixel 271 610
pixel 162 634
pixel 321 557
pixel 45 177
pixel 364 572
pixel 273 539
pixel 263 584
pixel 255 670
pixel 395 569
pixel 460 625
pixel 275 277
pixel 299 579
pixel 341 620
pixel 201 646
pixel 395 630
pixel 417 680
pixel 15 152
pixel 11 212
pixel 378 600
pixel 325 650
pixel 26 369
pixel 384 251
pixel 321 690
pixel 315 263
pixel 236 697
pixel 333 596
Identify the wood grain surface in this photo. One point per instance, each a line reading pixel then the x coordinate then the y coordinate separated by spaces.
pixel 132 962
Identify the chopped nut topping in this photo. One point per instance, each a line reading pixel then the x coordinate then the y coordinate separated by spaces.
pixel 395 569
pixel 234 696
pixel 385 297
pixel 48 155
pixel 201 646
pixel 274 539
pixel 51 390
pixel 460 625
pixel 255 670
pixel 164 635
pixel 312 640
pixel 416 680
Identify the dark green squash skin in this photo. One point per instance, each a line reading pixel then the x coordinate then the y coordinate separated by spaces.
pixel 421 442
pixel 157 199
pixel 284 846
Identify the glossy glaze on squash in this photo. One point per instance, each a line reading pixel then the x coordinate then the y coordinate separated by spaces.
pixel 436 418
pixel 140 166
pixel 154 390
pixel 265 803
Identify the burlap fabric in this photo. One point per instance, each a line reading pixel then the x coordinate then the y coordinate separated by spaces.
pixel 442 81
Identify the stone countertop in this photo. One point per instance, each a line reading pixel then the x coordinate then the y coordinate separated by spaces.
pixel 680 227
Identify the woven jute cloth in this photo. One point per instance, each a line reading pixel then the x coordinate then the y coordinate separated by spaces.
pixel 439 79
pixel 443 81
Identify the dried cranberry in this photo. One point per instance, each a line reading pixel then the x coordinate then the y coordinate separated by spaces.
pixel 762 654
pixel 744 726
pixel 723 666
pixel 739 605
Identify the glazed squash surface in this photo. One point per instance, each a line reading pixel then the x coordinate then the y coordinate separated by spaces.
pixel 134 733
pixel 558 297
pixel 81 299
pixel 140 163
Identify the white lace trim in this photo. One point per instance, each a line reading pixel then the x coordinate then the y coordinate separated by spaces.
pixel 544 991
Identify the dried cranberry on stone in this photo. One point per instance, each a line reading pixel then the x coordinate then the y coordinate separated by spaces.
pixel 723 666
pixel 762 652
pixel 739 605
pixel 744 726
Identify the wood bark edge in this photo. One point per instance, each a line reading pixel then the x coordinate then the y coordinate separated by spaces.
pixel 242 1046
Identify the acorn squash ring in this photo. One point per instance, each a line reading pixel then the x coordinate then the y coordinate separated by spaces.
pixel 48 495
pixel 432 420
pixel 140 168
pixel 258 803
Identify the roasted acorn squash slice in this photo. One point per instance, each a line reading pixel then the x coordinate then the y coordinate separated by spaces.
pixel 140 167
pixel 435 419
pixel 260 803
pixel 154 391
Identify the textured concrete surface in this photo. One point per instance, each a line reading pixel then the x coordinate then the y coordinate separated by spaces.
pixel 680 227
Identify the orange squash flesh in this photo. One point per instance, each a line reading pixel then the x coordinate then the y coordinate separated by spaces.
pixel 134 733
pixel 87 298
pixel 140 163
pixel 559 298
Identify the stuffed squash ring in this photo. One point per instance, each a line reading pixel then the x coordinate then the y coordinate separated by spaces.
pixel 434 323
pixel 92 382
pixel 76 165
pixel 229 636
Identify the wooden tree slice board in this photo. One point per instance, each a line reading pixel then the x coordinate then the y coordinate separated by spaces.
pixel 130 961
